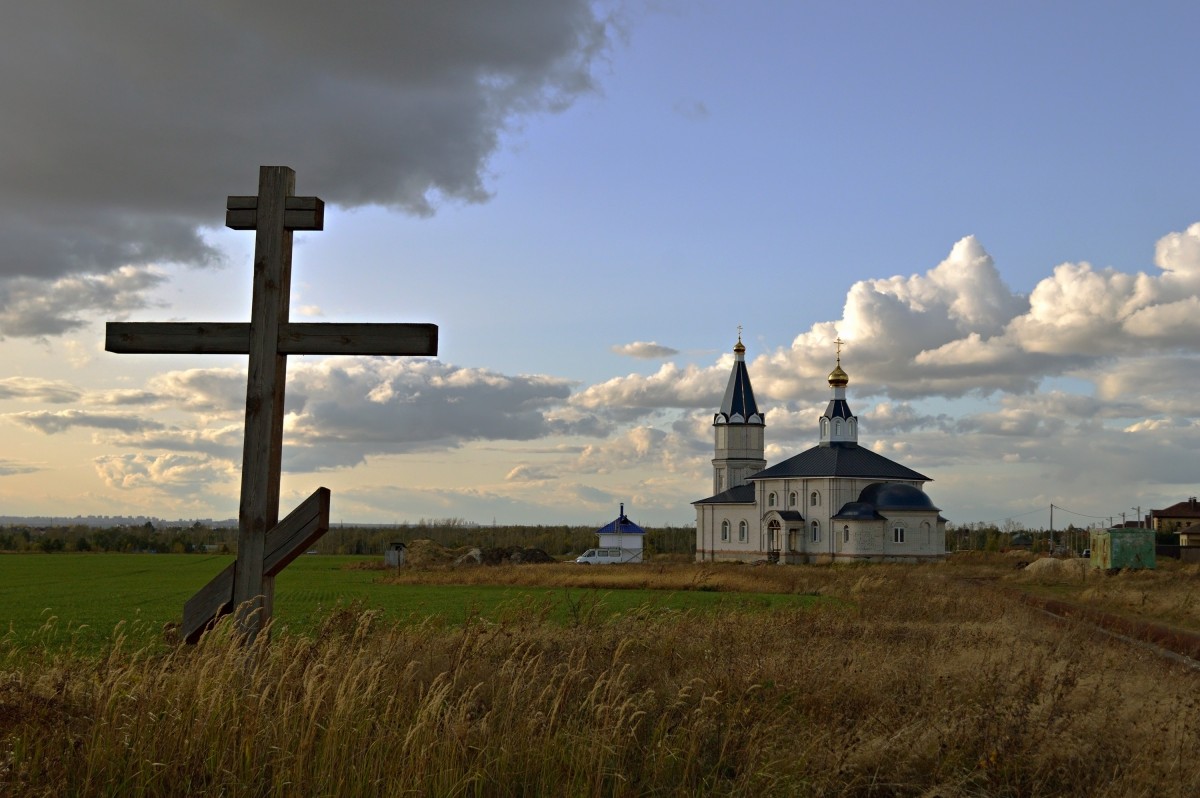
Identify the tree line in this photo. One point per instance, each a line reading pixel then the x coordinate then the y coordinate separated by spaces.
pixel 980 536
pixel 555 540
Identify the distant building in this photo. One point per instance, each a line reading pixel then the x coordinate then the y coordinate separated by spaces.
pixel 623 534
pixel 1021 540
pixel 835 501
pixel 1176 517
pixel 395 555
pixel 1189 543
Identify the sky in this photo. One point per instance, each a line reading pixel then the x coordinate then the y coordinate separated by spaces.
pixel 995 206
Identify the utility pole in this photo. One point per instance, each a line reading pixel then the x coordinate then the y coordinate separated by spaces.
pixel 1051 528
pixel 1138 510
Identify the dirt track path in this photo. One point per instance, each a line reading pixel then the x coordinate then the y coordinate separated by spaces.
pixel 1183 645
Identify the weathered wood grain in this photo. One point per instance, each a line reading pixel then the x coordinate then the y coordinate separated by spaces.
pixel 262 452
pixel 177 338
pixel 303 527
pixel 300 213
pixel 210 603
pixel 331 338
pixel 302 338
pixel 290 538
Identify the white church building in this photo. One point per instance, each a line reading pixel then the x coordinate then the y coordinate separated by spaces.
pixel 836 501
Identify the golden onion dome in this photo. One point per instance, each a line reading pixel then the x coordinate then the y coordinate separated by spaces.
pixel 837 377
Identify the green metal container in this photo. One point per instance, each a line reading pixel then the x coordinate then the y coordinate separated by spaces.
pixel 1119 547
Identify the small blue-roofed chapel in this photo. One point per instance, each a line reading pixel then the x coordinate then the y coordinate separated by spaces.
pixel 835 501
pixel 623 534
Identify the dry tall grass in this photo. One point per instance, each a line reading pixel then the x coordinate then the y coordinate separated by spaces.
pixel 725 577
pixel 1169 593
pixel 917 685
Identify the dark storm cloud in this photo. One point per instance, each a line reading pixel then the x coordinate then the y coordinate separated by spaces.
pixel 40 308
pixel 49 391
pixel 130 122
pixel 51 422
pixel 10 468
pixel 347 409
pixel 340 410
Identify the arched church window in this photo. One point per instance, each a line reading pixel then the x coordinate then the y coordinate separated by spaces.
pixel 814 499
pixel 846 533
pixel 928 533
pixel 792 499
pixel 824 428
pixel 898 534
pixel 771 499
pixel 837 427
pixel 773 536
pixel 743 532
pixel 725 530
pixel 816 531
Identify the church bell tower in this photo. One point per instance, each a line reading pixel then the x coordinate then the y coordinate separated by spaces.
pixel 738 429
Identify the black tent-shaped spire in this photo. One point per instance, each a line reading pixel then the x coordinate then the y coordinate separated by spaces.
pixel 738 405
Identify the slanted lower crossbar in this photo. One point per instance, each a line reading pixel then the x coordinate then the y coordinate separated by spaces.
pixel 290 538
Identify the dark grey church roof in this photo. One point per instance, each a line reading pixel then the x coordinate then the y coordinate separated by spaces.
pixel 857 511
pixel 895 496
pixel 738 405
pixel 839 460
pixel 742 494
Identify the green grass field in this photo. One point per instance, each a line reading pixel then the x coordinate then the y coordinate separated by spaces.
pixel 905 680
pixel 81 599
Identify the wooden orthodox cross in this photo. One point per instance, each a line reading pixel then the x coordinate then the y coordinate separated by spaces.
pixel 266 545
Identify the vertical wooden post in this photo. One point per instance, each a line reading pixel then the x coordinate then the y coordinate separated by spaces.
pixel 253 591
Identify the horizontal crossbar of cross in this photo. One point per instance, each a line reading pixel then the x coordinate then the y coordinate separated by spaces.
pixel 303 338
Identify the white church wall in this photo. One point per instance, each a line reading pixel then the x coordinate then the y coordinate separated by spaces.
pixel 709 543
pixel 869 541
pixel 920 536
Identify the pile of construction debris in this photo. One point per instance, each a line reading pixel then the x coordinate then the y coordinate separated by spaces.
pixel 1050 568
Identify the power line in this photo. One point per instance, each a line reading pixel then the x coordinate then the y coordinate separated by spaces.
pixel 997 522
pixel 1084 515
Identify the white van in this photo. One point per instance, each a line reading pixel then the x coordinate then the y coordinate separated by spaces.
pixel 606 556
